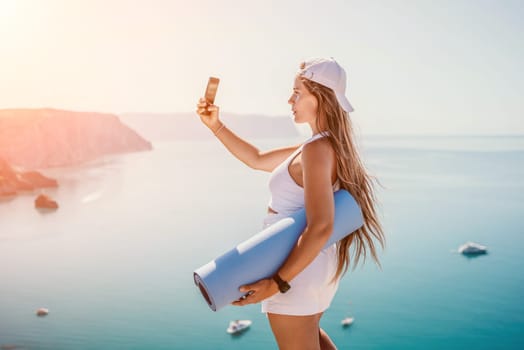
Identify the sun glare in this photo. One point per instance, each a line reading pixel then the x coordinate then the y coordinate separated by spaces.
pixel 8 11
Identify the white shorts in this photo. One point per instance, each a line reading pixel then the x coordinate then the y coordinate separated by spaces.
pixel 312 290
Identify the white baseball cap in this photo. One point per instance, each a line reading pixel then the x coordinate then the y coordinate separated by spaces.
pixel 327 72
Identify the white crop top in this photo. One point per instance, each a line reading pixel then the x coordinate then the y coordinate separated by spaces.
pixel 286 195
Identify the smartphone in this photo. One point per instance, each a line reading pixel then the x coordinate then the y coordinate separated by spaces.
pixel 211 90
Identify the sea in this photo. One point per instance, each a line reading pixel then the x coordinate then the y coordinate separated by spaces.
pixel 114 264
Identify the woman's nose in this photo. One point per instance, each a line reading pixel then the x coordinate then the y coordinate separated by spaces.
pixel 290 100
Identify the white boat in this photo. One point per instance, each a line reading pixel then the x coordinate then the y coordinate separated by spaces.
pixel 238 326
pixel 471 248
pixel 348 321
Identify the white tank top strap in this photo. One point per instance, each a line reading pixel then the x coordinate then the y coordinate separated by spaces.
pixel 315 137
pixel 299 149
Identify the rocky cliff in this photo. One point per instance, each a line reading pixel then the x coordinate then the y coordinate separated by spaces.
pixel 41 138
pixel 12 181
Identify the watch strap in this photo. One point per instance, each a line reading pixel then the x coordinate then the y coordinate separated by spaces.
pixel 283 286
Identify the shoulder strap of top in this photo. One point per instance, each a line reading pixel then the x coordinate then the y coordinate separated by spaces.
pixel 311 139
pixel 315 137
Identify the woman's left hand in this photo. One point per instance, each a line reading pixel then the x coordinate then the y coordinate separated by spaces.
pixel 258 291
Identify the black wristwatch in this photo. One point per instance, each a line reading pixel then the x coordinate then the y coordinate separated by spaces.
pixel 283 286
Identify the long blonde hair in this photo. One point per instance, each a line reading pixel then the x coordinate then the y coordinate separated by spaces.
pixel 352 176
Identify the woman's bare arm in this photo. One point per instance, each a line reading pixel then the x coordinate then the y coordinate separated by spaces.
pixel 252 156
pixel 241 149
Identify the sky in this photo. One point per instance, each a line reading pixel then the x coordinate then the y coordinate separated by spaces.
pixel 414 66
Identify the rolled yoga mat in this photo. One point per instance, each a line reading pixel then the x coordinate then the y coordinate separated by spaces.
pixel 262 255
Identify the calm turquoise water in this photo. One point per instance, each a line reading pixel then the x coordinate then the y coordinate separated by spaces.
pixel 114 264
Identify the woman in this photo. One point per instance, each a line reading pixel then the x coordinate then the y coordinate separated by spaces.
pixel 306 176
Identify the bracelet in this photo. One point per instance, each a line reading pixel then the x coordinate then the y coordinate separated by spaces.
pixel 219 129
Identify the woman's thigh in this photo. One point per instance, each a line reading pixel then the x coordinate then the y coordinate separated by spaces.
pixel 295 332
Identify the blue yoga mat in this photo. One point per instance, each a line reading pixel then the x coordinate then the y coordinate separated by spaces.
pixel 262 255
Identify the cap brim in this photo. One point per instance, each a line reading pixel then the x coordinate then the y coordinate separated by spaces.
pixel 344 102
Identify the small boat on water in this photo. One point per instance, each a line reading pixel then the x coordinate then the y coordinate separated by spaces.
pixel 348 321
pixel 471 248
pixel 42 312
pixel 238 326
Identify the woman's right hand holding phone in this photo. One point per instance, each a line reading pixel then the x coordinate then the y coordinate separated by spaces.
pixel 208 114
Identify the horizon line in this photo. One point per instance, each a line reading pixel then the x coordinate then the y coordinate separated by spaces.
pixel 380 133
